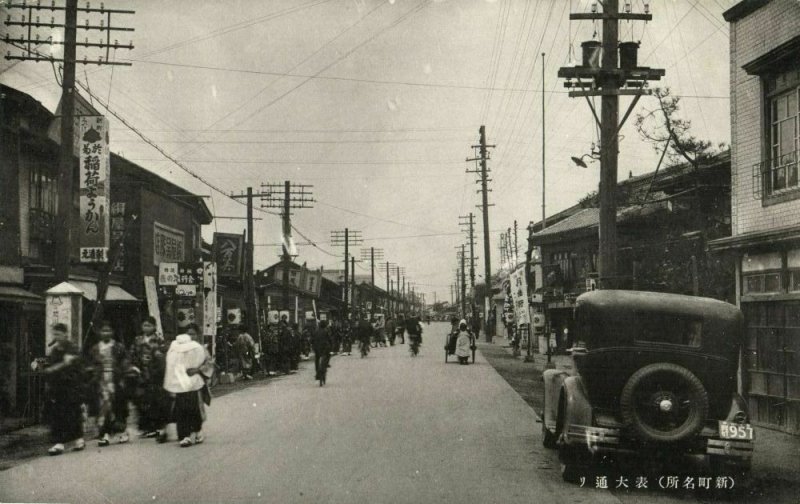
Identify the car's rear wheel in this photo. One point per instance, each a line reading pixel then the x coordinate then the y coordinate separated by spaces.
pixel 664 403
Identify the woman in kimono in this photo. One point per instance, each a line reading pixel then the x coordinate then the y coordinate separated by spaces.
pixel 188 368
pixel 463 343
pixel 65 374
pixel 152 401
pixel 111 365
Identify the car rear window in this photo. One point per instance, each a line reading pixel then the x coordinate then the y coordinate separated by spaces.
pixel 669 329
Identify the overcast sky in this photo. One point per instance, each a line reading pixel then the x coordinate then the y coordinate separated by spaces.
pixel 377 103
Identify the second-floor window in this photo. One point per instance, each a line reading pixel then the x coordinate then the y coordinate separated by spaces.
pixel 43 189
pixel 783 100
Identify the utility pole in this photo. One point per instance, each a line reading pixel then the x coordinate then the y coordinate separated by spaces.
pixel 387 267
pixel 347 237
pixel 463 284
pixel 544 191
pixel 610 82
pixel 516 243
pixel 353 284
pixel 28 42
pixel 372 254
pixel 286 196
pixel 483 157
pixel 468 223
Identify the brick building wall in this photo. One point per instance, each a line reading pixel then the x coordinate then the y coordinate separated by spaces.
pixel 750 37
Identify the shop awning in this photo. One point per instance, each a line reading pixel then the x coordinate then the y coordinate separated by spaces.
pixel 753 239
pixel 12 294
pixel 114 293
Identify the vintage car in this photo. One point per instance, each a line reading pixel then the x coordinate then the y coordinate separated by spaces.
pixel 654 374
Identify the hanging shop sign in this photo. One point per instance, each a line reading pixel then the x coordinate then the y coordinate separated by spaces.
pixel 229 254
pixel 94 234
pixel 519 295
pixel 168 244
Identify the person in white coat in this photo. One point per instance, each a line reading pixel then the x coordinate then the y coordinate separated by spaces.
pixel 463 343
pixel 188 368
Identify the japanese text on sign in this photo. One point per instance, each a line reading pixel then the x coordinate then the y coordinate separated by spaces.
pixel 94 163
pixel 168 244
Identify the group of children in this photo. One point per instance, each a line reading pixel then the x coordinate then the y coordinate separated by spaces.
pixel 165 381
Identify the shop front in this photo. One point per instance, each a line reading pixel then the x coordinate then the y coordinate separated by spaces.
pixel 768 281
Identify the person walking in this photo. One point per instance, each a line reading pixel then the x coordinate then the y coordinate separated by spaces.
pixel 152 402
pixel 110 363
pixel 364 332
pixel 390 328
pixel 322 345
pixel 346 337
pixel 285 345
pixel 463 343
pixel 188 369
pixel 64 377
pixel 401 328
pixel 245 351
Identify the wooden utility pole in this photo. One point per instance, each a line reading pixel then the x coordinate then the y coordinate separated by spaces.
pixel 372 254
pixel 65 165
pixel 28 42
pixel 609 81
pixel 286 196
pixel 544 191
pixel 516 244
pixel 483 172
pixel 463 284
pixel 346 238
pixel 249 284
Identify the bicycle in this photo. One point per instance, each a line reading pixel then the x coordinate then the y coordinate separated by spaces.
pixel 414 342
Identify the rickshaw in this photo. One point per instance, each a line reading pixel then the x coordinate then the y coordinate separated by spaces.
pixel 655 374
pixel 450 346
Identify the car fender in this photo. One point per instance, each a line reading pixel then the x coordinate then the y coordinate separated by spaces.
pixel 553 380
pixel 576 410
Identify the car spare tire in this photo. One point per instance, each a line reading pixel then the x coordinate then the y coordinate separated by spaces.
pixel 664 403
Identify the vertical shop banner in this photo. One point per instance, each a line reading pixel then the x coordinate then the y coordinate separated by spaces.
pixel 117 232
pixel 209 298
pixel 152 303
pixel 519 295
pixel 94 234
pixel 228 254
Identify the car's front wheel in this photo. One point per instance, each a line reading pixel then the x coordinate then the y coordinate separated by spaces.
pixel 549 439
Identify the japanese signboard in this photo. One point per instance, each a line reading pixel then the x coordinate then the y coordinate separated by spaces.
pixel 228 254
pixel 168 244
pixel 168 274
pixel 519 296
pixel 93 233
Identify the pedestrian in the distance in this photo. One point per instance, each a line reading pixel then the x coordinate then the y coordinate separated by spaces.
pixel 65 377
pixel 188 368
pixel 111 366
pixel 346 336
pixel 321 343
pixel 463 343
pixel 245 351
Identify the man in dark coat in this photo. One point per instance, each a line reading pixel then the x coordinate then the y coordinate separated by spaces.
pixel 65 376
pixel 322 345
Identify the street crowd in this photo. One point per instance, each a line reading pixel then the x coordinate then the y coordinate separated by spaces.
pixel 169 381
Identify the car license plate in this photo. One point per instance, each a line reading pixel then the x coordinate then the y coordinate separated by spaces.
pixel 729 430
